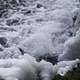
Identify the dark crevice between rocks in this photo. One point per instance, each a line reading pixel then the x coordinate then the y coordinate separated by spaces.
pixel 22 52
pixel 48 58
pixel 27 12
pixel 74 19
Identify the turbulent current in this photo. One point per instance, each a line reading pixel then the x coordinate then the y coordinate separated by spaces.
pixel 39 37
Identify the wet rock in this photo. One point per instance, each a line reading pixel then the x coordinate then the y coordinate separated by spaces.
pixel 70 33
pixel 1 49
pixel 48 58
pixel 2 79
pixel 74 18
pixel 39 5
pixel 3 41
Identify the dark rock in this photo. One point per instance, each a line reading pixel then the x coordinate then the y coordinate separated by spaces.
pixel 6 46
pixel 70 33
pixel 74 74
pixel 2 79
pixel 74 18
pixel 39 5
pixel 1 49
pixel 27 12
pixel 48 58
pixel 3 41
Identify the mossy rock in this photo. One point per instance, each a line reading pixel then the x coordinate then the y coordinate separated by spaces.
pixel 71 75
